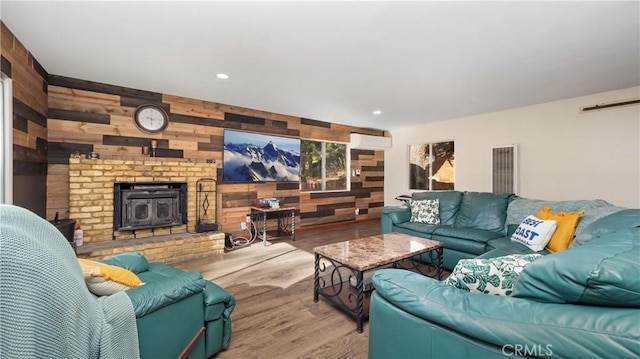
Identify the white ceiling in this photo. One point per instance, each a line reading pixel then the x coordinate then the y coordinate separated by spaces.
pixel 418 62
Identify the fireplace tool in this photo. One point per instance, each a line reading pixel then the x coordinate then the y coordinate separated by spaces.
pixel 206 205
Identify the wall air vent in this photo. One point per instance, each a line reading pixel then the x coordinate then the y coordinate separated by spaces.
pixel 609 105
pixel 504 169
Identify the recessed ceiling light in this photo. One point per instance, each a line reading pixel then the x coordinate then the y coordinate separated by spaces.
pixel 222 76
pixel 377 112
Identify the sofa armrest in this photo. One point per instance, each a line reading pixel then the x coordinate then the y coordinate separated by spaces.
pixel 398 214
pixel 569 330
pixel 394 215
pixel 215 295
pixel 218 306
pixel 152 296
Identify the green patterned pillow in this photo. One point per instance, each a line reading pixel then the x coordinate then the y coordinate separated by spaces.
pixel 491 275
pixel 425 211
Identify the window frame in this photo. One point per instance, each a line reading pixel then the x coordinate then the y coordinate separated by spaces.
pixel 6 140
pixel 324 169
pixel 431 161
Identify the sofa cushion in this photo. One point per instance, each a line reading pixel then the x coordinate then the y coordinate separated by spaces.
pixel 159 271
pixel 483 210
pixel 618 220
pixel 604 271
pixel 534 233
pixel 132 261
pixel 505 246
pixel 490 276
pixel 104 287
pixel 472 234
pixel 425 211
pixel 461 245
pixel 419 227
pixel 449 204
pixel 114 273
pixel 161 290
pixel 509 247
pixel 565 230
pixel 104 279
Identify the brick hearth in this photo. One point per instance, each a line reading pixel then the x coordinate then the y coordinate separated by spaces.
pixel 164 249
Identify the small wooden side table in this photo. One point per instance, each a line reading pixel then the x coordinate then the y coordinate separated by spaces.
pixel 281 213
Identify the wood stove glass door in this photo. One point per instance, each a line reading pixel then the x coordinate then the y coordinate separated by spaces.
pixel 139 214
pixel 165 210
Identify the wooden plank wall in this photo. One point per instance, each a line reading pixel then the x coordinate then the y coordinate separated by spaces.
pixel 87 116
pixel 29 80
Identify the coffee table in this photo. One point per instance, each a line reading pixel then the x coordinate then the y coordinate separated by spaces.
pixel 340 267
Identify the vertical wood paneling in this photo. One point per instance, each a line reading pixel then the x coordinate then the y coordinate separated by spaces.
pixel 30 107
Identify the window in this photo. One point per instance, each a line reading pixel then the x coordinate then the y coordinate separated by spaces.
pixel 6 135
pixel 431 166
pixel 324 166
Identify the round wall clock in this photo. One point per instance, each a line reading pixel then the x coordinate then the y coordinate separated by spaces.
pixel 151 118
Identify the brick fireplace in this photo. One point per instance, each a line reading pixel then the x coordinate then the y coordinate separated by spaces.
pixel 91 204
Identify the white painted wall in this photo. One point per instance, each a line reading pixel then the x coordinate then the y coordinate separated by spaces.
pixel 563 154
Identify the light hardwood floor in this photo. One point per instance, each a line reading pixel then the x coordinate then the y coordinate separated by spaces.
pixel 275 315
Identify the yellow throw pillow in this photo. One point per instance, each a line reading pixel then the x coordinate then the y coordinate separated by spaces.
pixel 119 275
pixel 567 222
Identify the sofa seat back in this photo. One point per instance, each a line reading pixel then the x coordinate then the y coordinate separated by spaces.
pixel 620 220
pixel 602 271
pixel 449 204
pixel 520 208
pixel 482 210
pixel 478 210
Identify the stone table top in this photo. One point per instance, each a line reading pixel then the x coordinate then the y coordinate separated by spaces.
pixel 371 252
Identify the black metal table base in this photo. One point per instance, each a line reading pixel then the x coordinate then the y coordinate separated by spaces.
pixel 433 267
pixel 337 287
pixel 343 286
pixel 282 216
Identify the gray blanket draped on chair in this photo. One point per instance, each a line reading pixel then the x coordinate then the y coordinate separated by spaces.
pixel 46 309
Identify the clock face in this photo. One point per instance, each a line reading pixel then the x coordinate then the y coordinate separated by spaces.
pixel 150 118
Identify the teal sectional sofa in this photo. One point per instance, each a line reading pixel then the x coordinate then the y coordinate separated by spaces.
pixel 474 223
pixel 580 303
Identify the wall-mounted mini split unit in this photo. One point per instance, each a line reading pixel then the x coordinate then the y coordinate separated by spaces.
pixel 368 142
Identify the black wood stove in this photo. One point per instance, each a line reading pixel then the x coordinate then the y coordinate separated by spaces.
pixel 149 205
